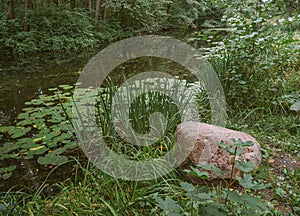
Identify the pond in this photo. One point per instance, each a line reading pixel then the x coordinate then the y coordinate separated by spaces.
pixel 23 79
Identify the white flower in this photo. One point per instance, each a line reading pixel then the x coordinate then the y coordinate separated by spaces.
pixel 291 19
pixel 281 20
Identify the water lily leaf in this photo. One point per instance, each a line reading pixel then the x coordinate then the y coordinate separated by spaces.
pixel 6 129
pixel 71 145
pixel 52 159
pixel 36 148
pixel 66 87
pixel 18 132
pixel 23 115
pixel 25 122
pixel 27 144
pixel 49 103
pixel 55 120
pixel 7 171
pixel 28 109
pixel 51 135
pixel 8 146
pixel 37 102
pixel 28 103
pixel 30 154
pixel 9 156
pixel 38 139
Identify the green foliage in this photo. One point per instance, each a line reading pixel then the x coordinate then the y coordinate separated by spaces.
pixel 43 131
pixel 91 192
pixel 169 206
pixel 255 57
pixel 51 29
pixel 223 200
pixel 152 16
pixel 258 64
pixel 57 28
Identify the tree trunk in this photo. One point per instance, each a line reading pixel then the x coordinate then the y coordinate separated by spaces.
pixel 90 5
pixel 168 8
pixel 104 12
pixel 34 4
pixel 97 15
pixel 11 11
pixel 26 17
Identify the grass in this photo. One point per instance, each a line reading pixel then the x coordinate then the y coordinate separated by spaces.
pixel 92 192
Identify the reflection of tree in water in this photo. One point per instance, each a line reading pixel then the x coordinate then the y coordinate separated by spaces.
pixel 4 118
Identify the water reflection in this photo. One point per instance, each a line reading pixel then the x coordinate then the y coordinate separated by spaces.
pixel 22 79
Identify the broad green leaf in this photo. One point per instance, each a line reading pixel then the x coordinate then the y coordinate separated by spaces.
pixel 213 209
pixel 210 167
pixel 169 205
pixel 253 202
pixel 227 147
pixel 233 196
pixel 196 172
pixel 245 166
pixel 187 186
pixel 247 183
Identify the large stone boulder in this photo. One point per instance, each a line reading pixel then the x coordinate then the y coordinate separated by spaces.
pixel 202 141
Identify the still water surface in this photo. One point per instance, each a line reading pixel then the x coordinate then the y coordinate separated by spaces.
pixel 21 80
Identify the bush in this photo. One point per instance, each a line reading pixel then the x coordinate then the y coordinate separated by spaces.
pixel 256 60
pixel 51 29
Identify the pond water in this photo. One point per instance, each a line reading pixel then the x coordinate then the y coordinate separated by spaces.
pixel 22 79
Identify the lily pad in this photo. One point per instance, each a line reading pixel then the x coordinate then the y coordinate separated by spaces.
pixel 52 159
pixel 19 132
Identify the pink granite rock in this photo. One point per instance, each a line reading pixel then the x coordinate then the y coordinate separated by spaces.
pixel 202 141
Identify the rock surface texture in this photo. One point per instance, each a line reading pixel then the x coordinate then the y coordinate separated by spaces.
pixel 202 141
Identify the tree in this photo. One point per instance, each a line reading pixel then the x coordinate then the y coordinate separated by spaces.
pixel 28 6
pixel 97 15
pixel 11 12
pixel 90 5
pixel 104 12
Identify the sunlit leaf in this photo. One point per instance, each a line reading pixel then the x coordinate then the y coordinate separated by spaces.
pixel 295 106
